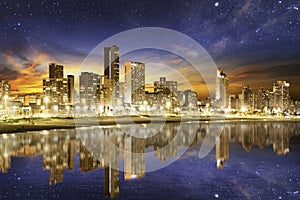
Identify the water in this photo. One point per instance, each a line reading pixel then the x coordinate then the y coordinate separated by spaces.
pixel 251 160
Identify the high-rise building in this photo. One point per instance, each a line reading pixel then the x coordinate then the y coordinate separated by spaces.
pixel 134 83
pixel 246 98
pixel 281 90
pixel 71 89
pixel 222 88
pixel 89 85
pixel 190 100
pixel 56 88
pixel 168 89
pixel 56 71
pixel 262 99
pixel 111 70
pixel 4 89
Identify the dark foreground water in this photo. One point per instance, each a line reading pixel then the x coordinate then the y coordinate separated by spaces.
pixel 257 160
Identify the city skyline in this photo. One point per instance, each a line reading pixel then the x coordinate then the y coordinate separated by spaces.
pixel 252 40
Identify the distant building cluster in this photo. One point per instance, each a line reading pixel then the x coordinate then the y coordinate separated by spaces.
pixel 105 95
pixel 273 101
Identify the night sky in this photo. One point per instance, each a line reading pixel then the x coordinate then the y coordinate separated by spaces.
pixel 256 41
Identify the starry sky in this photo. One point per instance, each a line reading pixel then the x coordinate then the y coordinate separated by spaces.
pixel 256 41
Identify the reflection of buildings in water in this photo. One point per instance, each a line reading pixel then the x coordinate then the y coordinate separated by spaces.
pixel 134 157
pixel 111 169
pixel 5 162
pixel 87 161
pixel 71 155
pixel 222 148
pixel 105 147
pixel 57 155
pixel 281 140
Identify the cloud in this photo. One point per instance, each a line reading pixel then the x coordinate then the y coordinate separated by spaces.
pixel 24 73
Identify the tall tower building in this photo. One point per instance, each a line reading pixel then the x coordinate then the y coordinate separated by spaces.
pixel 71 89
pixel 4 89
pixel 56 71
pixel 190 99
pixel 56 88
pixel 134 83
pixel 111 69
pixel 167 90
pixel 222 88
pixel 89 85
pixel 246 98
pixel 281 90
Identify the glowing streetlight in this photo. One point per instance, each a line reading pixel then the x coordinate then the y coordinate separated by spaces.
pixel 244 109
pixel 55 108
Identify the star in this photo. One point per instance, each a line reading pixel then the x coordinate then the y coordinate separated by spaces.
pixel 216 4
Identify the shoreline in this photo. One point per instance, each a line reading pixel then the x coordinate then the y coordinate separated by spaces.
pixel 40 124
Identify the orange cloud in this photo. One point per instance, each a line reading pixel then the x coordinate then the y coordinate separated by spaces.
pixel 30 75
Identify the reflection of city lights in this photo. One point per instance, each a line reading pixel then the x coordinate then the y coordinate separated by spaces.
pixel 5 155
pixel 133 176
pixel 4 136
pixel 44 132
pixel 46 148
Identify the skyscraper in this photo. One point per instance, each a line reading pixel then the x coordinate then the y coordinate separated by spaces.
pixel 56 71
pixel 168 91
pixel 262 99
pixel 111 69
pixel 246 98
pixel 222 88
pixel 4 89
pixel 56 90
pixel 134 83
pixel 89 85
pixel 281 90
pixel 71 89
pixel 190 99
pixel 56 87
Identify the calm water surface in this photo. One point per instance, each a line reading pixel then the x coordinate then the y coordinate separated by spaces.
pixel 251 160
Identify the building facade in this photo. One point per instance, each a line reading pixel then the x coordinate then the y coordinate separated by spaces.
pixel 58 91
pixel 4 89
pixel 134 83
pixel 89 85
pixel 281 92
pixel 112 72
pixel 222 89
